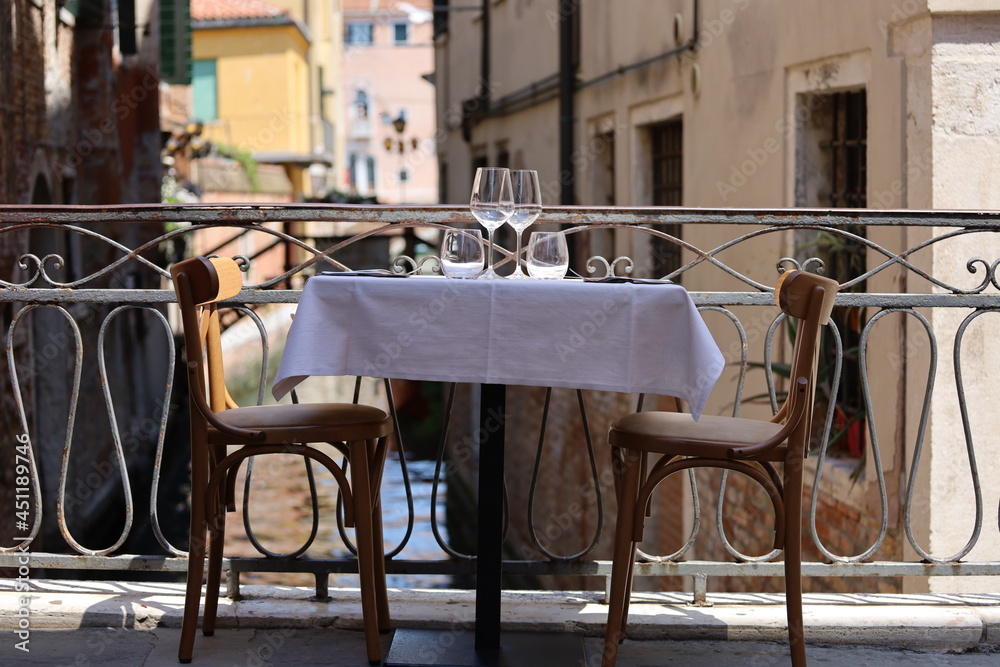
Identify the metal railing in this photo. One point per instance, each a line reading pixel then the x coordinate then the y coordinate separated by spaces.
pixel 897 246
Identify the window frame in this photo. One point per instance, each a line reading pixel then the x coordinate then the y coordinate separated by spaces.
pixel 351 29
pixel 666 163
pixel 396 25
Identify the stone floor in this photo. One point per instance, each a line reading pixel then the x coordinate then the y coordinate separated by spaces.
pixel 157 647
pixel 117 624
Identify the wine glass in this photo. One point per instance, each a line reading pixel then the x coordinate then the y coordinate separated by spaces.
pixel 492 203
pixel 548 256
pixel 527 208
pixel 462 253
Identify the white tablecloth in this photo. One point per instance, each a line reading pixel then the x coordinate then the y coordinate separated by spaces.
pixel 563 333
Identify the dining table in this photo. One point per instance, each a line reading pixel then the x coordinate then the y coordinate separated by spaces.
pixel 617 334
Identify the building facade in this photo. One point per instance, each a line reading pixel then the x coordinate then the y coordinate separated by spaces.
pixel 388 102
pixel 736 103
pixel 79 124
pixel 264 78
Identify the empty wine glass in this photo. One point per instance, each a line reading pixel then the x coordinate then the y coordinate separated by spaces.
pixel 462 253
pixel 527 208
pixel 548 255
pixel 492 203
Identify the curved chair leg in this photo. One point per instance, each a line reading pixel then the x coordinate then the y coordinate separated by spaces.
pixel 622 559
pixel 793 561
pixel 363 532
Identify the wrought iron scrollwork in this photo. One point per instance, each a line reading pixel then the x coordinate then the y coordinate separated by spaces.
pixel 937 289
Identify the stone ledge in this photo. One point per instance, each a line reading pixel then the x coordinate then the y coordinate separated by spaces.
pixel 935 621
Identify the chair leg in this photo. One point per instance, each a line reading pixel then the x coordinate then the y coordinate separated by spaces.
pixel 643 468
pixel 196 558
pixel 628 590
pixel 363 532
pixel 381 595
pixel 793 561
pixel 622 559
pixel 214 580
pixel 215 516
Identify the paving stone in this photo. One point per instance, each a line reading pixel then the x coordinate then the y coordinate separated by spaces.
pixel 120 623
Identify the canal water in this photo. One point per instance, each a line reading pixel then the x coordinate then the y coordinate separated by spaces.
pixel 280 509
pixel 281 518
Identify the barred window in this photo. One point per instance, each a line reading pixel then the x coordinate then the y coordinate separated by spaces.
pixel 667 153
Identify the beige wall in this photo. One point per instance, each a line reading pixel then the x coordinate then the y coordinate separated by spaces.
pixel 956 56
pixel 933 142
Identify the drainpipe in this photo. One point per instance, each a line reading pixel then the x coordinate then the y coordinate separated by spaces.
pixel 484 65
pixel 568 49
pixel 476 108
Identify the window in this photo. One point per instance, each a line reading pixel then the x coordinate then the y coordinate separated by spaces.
pixel 204 90
pixel 359 32
pixel 401 32
pixel 443 182
pixel 404 175
pixel 667 153
pixel 360 104
pixel 352 169
pixel 440 17
pixel 371 172
pixel 847 150
pixel 503 157
pixel 478 160
pixel 607 166
pixel 832 150
pixel 832 171
pixel 175 40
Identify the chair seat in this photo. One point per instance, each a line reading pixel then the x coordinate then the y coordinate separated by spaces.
pixel 308 422
pixel 678 434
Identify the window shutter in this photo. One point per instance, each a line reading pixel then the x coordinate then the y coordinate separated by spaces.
pixel 175 41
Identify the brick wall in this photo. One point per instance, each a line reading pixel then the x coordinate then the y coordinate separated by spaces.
pixel 80 125
pixel 565 504
pixel 844 529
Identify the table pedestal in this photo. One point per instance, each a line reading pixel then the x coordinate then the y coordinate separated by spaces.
pixel 487 647
pixel 454 648
pixel 489 560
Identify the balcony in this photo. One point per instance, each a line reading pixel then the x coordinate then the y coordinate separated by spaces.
pixel 901 519
pixel 281 136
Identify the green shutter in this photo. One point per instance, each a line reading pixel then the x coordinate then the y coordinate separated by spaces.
pixel 175 41
pixel 204 90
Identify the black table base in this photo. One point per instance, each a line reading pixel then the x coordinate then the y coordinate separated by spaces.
pixel 449 648
pixel 487 646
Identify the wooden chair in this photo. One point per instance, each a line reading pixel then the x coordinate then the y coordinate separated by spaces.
pixel 747 446
pixel 217 424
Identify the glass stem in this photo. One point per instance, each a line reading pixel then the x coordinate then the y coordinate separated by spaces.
pixel 489 265
pixel 517 257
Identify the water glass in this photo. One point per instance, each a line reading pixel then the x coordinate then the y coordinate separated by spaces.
pixel 492 202
pixel 527 207
pixel 548 256
pixel 462 253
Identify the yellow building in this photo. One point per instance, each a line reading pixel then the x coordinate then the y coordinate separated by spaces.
pixel 261 80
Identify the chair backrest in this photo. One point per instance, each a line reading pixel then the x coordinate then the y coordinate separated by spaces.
pixel 808 298
pixel 200 283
